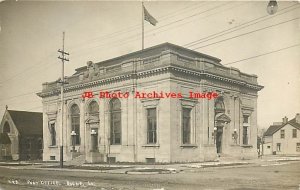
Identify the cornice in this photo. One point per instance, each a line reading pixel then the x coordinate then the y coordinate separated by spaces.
pixel 151 72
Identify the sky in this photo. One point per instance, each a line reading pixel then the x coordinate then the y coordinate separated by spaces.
pixel 249 39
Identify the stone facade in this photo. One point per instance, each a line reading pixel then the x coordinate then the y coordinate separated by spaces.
pixel 178 129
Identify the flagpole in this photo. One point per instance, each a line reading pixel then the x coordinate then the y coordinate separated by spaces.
pixel 143 17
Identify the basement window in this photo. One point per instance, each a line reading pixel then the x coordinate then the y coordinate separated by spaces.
pixel 150 160
pixel 111 159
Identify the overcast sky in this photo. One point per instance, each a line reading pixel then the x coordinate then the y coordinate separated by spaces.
pixel 31 34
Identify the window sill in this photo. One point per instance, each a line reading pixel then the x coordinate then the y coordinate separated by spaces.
pixel 188 146
pixel 246 146
pixel 53 146
pixel 151 145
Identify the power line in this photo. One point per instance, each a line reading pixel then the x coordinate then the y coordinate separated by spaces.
pixel 203 17
pixel 137 26
pixel 247 33
pixel 18 103
pixel 12 97
pixel 38 64
pixel 213 43
pixel 26 77
pixel 27 69
pixel 245 59
pixel 33 108
pixel 230 63
pixel 196 14
pixel 136 36
pixel 267 53
pixel 128 41
pixel 230 30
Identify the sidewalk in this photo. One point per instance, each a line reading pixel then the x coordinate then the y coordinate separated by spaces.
pixel 152 168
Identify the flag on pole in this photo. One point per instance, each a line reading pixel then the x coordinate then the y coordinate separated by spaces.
pixel 149 17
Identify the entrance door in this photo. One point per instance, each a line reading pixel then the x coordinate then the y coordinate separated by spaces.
pixel 94 145
pixel 219 139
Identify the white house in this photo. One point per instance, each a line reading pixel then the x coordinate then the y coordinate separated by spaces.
pixel 283 138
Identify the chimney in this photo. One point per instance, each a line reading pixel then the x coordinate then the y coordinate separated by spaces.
pixel 284 120
pixel 297 118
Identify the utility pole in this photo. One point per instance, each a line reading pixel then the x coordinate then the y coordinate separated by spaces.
pixel 63 58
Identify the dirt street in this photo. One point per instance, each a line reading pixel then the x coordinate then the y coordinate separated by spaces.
pixel 285 176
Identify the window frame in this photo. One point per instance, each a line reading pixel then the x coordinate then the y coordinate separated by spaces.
pixel 278 147
pixel 294 133
pixel 115 117
pixel 246 118
pixel 93 108
pixel 75 123
pixel 152 130
pixel 52 130
pixel 186 131
pixel 245 135
pixel 282 134
pixel 189 104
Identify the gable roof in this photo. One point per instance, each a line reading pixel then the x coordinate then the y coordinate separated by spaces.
pixel 27 123
pixel 274 128
pixel 294 123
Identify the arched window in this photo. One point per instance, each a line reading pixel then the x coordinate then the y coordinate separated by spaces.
pixel 6 128
pixel 93 108
pixel 219 106
pixel 75 122
pixel 115 121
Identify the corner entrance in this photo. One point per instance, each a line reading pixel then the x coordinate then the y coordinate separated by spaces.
pixel 220 119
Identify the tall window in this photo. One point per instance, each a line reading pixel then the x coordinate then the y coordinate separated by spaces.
pixel 151 126
pixel 245 135
pixel 294 133
pixel 75 122
pixel 6 128
pixel 246 124
pixel 93 108
pixel 282 134
pixel 52 134
pixel 186 125
pixel 115 121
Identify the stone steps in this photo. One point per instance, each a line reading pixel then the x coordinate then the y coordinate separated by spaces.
pixel 77 160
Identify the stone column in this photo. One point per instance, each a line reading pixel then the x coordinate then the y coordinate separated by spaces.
pixel 211 120
pixel 82 126
pixel 205 121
